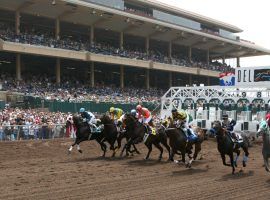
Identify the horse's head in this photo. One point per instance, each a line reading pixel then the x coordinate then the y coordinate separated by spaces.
pixel 77 120
pixel 216 129
pixel 129 120
pixel 263 128
pixel 105 119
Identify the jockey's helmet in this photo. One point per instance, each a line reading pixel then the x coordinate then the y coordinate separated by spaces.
pixel 182 115
pixel 267 117
pixel 174 110
pixel 82 110
pixel 139 107
pixel 133 112
pixel 112 109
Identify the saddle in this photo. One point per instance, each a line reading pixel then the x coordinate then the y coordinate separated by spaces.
pixel 236 137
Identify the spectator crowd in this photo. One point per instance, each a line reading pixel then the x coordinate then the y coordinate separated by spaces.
pixel 72 90
pixel 46 38
pixel 17 124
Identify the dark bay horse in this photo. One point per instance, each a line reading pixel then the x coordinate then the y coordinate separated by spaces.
pixel 265 132
pixel 136 132
pixel 178 142
pixel 83 133
pixel 227 147
pixel 110 132
pixel 124 134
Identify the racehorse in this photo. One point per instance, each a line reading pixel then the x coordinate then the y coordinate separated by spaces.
pixel 125 134
pixel 265 132
pixel 227 147
pixel 136 132
pixel 178 143
pixel 110 132
pixel 83 133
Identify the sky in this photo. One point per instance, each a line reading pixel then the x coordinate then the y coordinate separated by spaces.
pixel 249 15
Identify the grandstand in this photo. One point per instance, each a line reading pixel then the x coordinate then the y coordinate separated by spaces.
pixel 121 42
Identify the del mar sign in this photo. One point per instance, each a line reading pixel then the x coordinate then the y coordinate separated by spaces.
pixel 255 76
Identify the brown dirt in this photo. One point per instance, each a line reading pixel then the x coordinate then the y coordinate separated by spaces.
pixel 43 170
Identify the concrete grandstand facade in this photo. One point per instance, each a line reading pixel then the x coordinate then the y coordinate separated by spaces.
pixel 146 25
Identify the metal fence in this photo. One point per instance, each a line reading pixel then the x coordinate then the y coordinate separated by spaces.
pixel 33 132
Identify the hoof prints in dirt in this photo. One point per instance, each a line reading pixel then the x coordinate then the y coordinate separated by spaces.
pixel 44 171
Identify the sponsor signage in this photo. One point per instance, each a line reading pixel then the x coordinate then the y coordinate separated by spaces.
pixel 255 76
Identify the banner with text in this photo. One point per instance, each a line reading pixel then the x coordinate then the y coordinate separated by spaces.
pixel 252 76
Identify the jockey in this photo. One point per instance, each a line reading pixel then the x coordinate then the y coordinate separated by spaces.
pixel 117 115
pixel 89 118
pixel 181 119
pixel 229 124
pixel 145 117
pixel 267 118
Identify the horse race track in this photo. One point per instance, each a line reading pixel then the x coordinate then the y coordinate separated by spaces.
pixel 43 170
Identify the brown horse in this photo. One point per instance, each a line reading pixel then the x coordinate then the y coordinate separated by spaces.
pixel 178 143
pixel 198 143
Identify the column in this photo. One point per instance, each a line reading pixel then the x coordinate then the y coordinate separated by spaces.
pixel 170 79
pixel 190 54
pixel 92 34
pixel 190 80
pixel 58 71
pixel 170 50
pixel 17 22
pixel 223 59
pixel 238 62
pixel 122 76
pixel 207 56
pixel 57 28
pixel 121 45
pixel 147 79
pixel 147 41
pixel 18 66
pixel 92 74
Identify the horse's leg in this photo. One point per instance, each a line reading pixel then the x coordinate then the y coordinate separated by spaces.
pixel 79 148
pixel 119 140
pixel 232 162
pixel 183 153
pixel 135 149
pixel 124 148
pixel 172 154
pixel 149 146
pixel 246 154
pixel 71 147
pixel 224 160
pixel 237 156
pixel 266 162
pixel 114 149
pixel 198 148
pixel 165 144
pixel 103 147
pixel 157 145
pixel 77 141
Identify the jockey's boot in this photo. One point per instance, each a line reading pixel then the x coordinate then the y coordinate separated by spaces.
pixel 234 138
pixel 148 129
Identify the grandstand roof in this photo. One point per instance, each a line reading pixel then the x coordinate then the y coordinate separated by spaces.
pixel 190 15
pixel 87 14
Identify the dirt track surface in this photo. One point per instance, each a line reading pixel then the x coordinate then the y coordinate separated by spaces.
pixel 43 170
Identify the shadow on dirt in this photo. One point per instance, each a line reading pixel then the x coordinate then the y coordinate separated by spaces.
pixel 237 175
pixel 190 171
pixel 142 162
pixel 99 158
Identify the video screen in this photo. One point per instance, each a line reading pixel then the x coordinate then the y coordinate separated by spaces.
pixel 261 75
